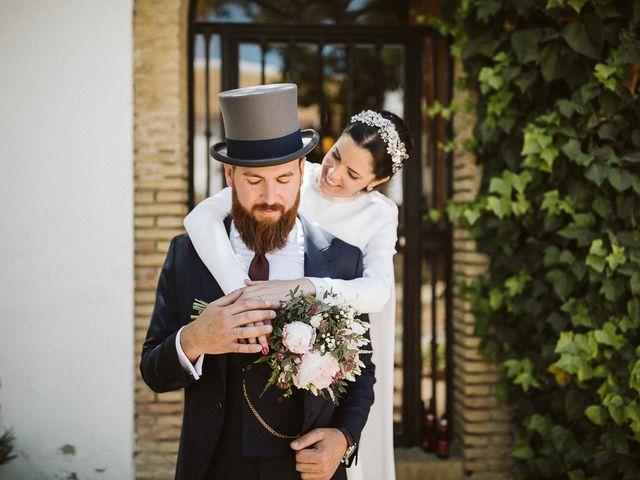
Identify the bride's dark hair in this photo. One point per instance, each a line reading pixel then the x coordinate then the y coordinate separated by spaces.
pixel 368 137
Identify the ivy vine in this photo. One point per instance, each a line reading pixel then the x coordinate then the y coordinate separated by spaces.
pixel 558 213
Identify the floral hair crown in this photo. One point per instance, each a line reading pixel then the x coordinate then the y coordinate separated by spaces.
pixel 395 147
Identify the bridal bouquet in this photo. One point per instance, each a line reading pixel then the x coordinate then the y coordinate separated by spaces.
pixel 315 345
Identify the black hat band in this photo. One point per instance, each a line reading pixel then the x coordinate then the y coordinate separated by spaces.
pixel 270 148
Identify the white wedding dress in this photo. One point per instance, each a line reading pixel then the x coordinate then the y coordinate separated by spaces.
pixel 367 220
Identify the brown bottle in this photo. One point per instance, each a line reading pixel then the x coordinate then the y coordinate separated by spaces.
pixel 442 445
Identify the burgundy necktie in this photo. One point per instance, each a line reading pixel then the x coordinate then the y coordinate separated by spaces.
pixel 259 267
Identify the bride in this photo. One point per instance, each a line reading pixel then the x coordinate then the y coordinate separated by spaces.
pixel 338 195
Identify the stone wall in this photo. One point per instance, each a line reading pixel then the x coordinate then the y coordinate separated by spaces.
pixel 161 186
pixel 482 426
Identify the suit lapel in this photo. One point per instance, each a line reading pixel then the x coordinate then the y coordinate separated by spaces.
pixel 316 264
pixel 316 261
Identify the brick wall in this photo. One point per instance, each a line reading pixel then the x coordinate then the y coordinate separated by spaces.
pixel 482 426
pixel 161 182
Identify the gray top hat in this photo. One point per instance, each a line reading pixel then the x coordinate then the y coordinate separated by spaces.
pixel 261 127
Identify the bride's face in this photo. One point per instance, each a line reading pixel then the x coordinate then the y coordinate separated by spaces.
pixel 346 169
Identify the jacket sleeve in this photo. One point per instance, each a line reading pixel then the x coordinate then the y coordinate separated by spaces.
pixel 160 366
pixel 353 409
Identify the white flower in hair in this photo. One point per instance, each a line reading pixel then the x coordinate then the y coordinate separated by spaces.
pixel 395 147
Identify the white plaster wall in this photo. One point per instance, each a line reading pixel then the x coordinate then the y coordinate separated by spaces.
pixel 66 237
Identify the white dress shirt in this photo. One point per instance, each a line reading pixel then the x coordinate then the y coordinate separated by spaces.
pixel 286 263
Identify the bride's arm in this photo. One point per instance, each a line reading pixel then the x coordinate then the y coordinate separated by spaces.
pixel 205 226
pixel 370 293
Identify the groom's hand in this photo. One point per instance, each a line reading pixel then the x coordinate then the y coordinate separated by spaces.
pixel 224 323
pixel 319 452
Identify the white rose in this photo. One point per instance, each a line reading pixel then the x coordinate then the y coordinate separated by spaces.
pixel 357 328
pixel 315 320
pixel 316 369
pixel 333 299
pixel 298 337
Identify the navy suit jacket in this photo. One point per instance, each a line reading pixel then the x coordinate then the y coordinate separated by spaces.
pixel 184 278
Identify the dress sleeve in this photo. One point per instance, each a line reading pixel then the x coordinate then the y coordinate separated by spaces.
pixel 370 293
pixel 205 226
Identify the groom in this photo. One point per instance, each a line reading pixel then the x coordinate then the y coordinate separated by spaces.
pixel 230 429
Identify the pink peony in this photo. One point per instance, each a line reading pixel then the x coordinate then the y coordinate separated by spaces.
pixel 298 337
pixel 316 369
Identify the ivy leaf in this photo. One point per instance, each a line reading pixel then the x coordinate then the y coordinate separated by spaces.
pixel 596 413
pixel 634 283
pixel 549 154
pixel 576 475
pixel 577 4
pixel 575 34
pixel 605 74
pixel 607 335
pixel 597 173
pixel 634 377
pixel 589 91
pixel 596 257
pixel 616 257
pixel 525 80
pixel 581 318
pixel 471 215
pixel 501 186
pixel 487 9
pixel 566 107
pixel 633 157
pixel 521 371
pixel 552 65
pixel 538 423
pixel 615 406
pixel 613 288
pixel 619 179
pixel 525 44
pixel 495 298
pixel 596 263
pixel 608 131
pixel 633 308
pixel 551 255
pixel 567 258
pixel 582 235
pixel 562 283
pixel 602 207
pixel 523 450
pixel 521 181
pixel 498 206
pixel 515 284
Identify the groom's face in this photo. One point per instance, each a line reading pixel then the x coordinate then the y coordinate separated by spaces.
pixel 266 192
pixel 265 203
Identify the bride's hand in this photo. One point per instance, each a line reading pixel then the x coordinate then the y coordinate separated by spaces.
pixel 277 290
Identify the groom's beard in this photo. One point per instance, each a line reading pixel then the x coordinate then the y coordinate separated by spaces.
pixel 263 236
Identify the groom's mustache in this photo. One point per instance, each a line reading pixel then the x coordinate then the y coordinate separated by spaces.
pixel 269 206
